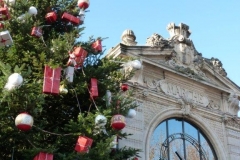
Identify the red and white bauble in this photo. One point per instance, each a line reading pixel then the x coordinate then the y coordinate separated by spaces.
pixel 118 122
pixel 83 4
pixel 24 121
pixel 124 87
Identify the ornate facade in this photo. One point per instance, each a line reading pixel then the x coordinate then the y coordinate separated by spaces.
pixel 176 81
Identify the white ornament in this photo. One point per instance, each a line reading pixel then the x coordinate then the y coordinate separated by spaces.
pixel 14 80
pixel 100 120
pixel 108 98
pixel 21 18
pixel 136 64
pixel 131 113
pixel 32 10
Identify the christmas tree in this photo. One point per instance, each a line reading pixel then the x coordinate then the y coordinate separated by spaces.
pixel 60 99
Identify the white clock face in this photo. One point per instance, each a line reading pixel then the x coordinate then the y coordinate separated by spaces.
pixel 176 139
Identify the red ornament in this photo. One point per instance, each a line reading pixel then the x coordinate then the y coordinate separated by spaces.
pixel 4 14
pixel 83 144
pixel 43 156
pixel 97 46
pixel 70 18
pixel 1 25
pixel 24 121
pixel 79 51
pixel 83 4
pixel 94 88
pixel 36 32
pixel 51 17
pixel 51 81
pixel 118 122
pixel 124 87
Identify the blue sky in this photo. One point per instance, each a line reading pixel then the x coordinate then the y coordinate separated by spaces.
pixel 215 25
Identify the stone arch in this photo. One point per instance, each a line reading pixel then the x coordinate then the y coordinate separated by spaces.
pixel 194 119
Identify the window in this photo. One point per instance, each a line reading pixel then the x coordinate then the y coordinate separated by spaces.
pixel 177 139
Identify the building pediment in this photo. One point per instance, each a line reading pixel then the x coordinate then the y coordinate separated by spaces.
pixel 179 55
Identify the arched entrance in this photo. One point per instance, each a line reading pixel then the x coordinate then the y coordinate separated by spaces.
pixel 165 146
pixel 178 139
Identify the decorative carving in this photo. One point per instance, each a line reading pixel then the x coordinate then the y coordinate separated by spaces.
pixel 128 38
pixel 217 65
pixel 157 40
pixel 186 104
pixel 233 104
pixel 213 105
pixel 185 58
pixel 233 122
pixel 182 29
pixel 177 91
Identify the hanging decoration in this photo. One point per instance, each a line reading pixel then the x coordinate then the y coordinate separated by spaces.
pixel 97 46
pixel 69 71
pixel 136 64
pixel 24 121
pixel 43 156
pixel 118 122
pixel 36 32
pixel 131 113
pixel 15 80
pixel 5 14
pixel 51 17
pixel 83 4
pixel 32 11
pixel 70 18
pixel 77 57
pixel 114 143
pixel 93 88
pixel 63 90
pixel 108 98
pixel 79 51
pixel 51 81
pixel 5 38
pixel 83 144
pixel 100 123
pixel 124 87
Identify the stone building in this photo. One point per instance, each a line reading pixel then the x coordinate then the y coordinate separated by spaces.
pixel 187 106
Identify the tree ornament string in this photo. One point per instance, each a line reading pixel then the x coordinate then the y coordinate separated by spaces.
pixel 77 100
pixel 92 99
pixel 52 133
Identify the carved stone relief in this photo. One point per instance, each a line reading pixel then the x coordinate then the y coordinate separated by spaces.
pixel 213 105
pixel 157 40
pixel 217 66
pixel 186 105
pixel 184 57
pixel 233 122
pixel 188 96
pixel 233 104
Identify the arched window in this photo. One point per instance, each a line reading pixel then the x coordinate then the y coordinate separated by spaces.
pixel 177 139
